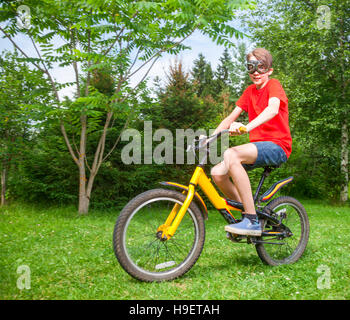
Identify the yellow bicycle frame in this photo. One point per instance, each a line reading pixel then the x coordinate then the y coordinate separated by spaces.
pixel 177 213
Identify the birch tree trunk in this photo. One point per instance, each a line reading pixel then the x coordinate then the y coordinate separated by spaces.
pixel 344 160
pixel 4 171
pixel 3 182
pixel 344 164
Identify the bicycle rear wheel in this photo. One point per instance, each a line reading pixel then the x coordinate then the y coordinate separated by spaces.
pixel 139 247
pixel 289 247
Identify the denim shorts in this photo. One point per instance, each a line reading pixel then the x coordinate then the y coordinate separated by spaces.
pixel 269 154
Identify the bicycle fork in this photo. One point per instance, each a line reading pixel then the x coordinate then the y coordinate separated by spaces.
pixel 168 229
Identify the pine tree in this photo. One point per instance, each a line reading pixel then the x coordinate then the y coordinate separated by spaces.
pixel 203 76
pixel 238 74
pixel 178 105
pixel 222 72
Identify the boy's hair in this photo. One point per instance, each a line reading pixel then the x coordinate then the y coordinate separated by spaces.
pixel 262 55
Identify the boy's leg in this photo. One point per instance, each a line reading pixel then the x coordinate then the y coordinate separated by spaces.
pixel 233 159
pixel 221 178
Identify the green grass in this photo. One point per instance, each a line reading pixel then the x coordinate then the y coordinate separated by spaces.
pixel 71 257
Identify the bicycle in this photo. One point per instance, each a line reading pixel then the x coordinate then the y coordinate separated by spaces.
pixel 160 234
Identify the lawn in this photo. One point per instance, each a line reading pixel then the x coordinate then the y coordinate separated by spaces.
pixel 71 257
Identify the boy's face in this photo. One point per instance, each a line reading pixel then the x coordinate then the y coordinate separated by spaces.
pixel 259 79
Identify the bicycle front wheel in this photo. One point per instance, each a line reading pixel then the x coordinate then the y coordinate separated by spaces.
pixel 140 249
pixel 288 245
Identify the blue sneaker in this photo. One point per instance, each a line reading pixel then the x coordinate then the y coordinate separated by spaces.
pixel 247 227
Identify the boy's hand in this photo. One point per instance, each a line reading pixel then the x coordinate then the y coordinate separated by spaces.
pixel 237 128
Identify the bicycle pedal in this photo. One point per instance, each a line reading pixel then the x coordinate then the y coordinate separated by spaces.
pixel 235 237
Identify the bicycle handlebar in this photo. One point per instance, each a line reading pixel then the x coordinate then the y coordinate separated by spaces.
pixel 211 139
pixel 216 136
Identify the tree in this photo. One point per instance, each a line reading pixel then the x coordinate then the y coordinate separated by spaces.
pixel 127 36
pixel 237 78
pixel 178 108
pixel 22 91
pixel 311 49
pixel 179 105
pixel 203 77
pixel 222 72
pixel 238 74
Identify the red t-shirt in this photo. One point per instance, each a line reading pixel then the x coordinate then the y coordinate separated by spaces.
pixel 276 130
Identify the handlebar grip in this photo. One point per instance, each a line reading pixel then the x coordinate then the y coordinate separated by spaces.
pixel 243 129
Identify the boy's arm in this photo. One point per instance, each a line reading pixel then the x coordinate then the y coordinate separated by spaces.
pixel 225 124
pixel 269 112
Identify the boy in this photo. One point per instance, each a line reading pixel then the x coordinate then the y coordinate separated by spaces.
pixel 270 141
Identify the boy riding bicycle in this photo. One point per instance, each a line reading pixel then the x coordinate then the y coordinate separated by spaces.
pixel 270 140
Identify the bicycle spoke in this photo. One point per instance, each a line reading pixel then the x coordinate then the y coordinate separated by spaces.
pixel 180 246
pixel 168 252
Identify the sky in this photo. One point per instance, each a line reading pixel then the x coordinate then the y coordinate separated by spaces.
pixel 198 43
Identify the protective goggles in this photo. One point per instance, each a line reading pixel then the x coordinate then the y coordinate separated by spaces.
pixel 256 65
